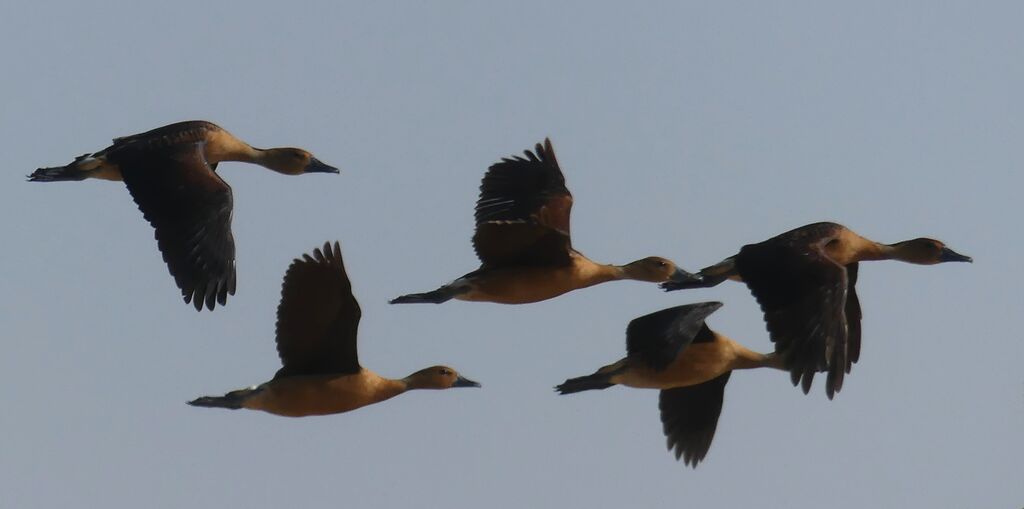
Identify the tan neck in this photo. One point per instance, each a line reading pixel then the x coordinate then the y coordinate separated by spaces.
pixel 875 251
pixel 388 388
pixel 852 248
pixel 592 273
pixel 247 154
pixel 749 359
pixel 222 146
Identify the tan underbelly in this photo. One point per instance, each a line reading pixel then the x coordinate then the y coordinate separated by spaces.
pixel 697 364
pixel 100 169
pixel 298 396
pixel 524 285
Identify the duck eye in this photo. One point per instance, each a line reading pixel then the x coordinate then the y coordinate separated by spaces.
pixel 444 372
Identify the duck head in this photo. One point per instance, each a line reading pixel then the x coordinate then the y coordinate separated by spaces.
pixel 655 269
pixel 925 251
pixel 438 377
pixel 293 161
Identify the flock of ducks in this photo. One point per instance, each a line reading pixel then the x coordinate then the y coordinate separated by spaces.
pixel 804 280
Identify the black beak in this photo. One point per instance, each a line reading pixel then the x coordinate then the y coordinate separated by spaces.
pixel 462 381
pixel 317 166
pixel 948 255
pixel 681 276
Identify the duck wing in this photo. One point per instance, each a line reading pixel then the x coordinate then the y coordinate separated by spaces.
pixel 658 338
pixel 803 294
pixel 689 417
pixel 522 215
pixel 318 317
pixel 190 208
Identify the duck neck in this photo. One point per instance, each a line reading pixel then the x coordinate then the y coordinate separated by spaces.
pixel 225 147
pixel 388 388
pixel 603 273
pixel 870 251
pixel 591 273
pixel 749 359
pixel 247 154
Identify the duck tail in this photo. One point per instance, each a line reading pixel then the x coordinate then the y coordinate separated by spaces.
pixel 77 170
pixel 232 400
pixel 601 379
pixel 443 294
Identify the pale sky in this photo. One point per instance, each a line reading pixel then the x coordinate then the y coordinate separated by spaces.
pixel 684 130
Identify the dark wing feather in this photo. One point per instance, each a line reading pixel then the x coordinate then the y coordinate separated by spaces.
pixel 689 417
pixel 189 131
pixel 190 208
pixel 522 215
pixel 853 316
pixel 656 339
pixel 318 317
pixel 802 293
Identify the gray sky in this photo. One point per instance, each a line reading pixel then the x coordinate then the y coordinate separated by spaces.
pixel 684 131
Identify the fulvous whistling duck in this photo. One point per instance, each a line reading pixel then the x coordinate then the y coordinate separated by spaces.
pixel 171 173
pixel 674 350
pixel 804 281
pixel 522 240
pixel 317 322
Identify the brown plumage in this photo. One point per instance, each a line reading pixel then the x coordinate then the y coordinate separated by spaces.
pixel 317 323
pixel 523 243
pixel 674 350
pixel 805 282
pixel 170 173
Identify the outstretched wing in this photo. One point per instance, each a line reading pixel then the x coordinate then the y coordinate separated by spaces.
pixel 318 317
pixel 522 216
pixel 803 294
pixel 190 208
pixel 658 338
pixel 689 417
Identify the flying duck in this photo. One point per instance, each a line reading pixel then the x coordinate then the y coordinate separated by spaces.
pixel 673 350
pixel 523 243
pixel 171 173
pixel 804 281
pixel 317 322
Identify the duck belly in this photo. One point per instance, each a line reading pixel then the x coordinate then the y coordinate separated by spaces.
pixel 697 364
pixel 522 285
pixel 298 396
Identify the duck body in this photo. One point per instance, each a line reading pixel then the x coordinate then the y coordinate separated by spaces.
pixel 304 395
pixel 805 282
pixel 523 243
pixel 673 350
pixel 317 323
pixel 698 363
pixel 527 284
pixel 170 172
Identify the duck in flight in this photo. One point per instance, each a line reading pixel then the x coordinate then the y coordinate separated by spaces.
pixel 171 174
pixel 805 282
pixel 523 243
pixel 673 350
pixel 317 322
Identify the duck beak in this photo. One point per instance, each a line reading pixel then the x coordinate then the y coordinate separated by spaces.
pixel 317 166
pixel 948 255
pixel 462 381
pixel 681 276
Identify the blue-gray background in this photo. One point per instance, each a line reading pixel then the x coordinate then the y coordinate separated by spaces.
pixel 684 131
